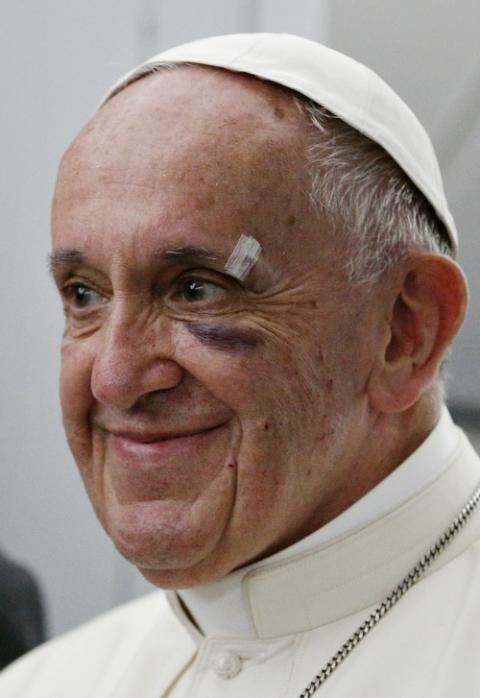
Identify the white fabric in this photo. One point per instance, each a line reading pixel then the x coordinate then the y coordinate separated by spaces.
pixel 347 88
pixel 221 608
pixel 303 609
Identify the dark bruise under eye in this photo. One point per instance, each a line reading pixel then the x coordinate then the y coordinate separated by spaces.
pixel 221 336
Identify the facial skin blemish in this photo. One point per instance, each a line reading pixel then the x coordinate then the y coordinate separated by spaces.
pixel 244 257
pixel 220 336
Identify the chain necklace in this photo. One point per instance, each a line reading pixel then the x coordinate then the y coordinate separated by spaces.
pixel 395 595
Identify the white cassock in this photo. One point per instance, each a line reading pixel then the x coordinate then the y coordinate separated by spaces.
pixel 268 629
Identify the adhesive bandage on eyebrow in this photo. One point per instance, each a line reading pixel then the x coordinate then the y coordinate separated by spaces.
pixel 244 257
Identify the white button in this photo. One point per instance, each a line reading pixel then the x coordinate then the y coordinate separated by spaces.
pixel 227 664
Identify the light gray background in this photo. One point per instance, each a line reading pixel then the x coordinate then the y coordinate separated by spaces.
pixel 57 60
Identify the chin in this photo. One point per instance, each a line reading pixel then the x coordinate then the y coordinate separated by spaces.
pixel 164 549
pixel 176 568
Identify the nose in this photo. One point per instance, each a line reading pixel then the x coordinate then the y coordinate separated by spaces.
pixel 133 359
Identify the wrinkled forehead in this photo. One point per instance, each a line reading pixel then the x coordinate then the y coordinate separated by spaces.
pixel 343 86
pixel 225 152
pixel 192 119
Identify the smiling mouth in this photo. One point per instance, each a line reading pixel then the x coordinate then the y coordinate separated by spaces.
pixel 144 438
pixel 140 449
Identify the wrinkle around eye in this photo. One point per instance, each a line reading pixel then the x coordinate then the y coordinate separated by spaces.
pixel 83 315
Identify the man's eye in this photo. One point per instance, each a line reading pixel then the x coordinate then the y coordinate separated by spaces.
pixel 81 296
pixel 197 290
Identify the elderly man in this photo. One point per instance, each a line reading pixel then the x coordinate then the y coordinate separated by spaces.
pixel 254 253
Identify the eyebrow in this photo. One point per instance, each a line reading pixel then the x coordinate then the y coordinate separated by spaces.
pixel 64 258
pixel 190 252
pixel 59 259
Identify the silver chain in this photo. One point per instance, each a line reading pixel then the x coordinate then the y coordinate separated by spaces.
pixel 412 578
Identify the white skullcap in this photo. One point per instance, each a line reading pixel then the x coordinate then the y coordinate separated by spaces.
pixel 345 87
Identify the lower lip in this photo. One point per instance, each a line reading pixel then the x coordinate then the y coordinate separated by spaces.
pixel 138 453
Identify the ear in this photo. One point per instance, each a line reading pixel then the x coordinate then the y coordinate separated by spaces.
pixel 425 311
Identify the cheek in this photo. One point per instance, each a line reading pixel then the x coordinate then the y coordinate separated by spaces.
pixel 76 400
pixel 221 357
pixel 242 366
pixel 272 388
pixel 75 377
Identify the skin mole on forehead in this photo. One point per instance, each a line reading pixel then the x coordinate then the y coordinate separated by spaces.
pixel 205 202
pixel 221 336
pixel 291 220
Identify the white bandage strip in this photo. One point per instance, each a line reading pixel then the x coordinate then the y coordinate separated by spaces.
pixel 244 257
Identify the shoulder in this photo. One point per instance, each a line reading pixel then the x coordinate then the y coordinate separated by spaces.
pixel 80 661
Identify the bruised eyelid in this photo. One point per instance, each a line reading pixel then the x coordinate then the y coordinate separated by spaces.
pixel 223 336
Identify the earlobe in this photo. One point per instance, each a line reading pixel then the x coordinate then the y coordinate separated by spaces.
pixel 425 311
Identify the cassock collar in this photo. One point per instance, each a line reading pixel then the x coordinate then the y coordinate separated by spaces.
pixel 352 561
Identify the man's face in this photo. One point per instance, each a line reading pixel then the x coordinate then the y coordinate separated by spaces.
pixel 212 419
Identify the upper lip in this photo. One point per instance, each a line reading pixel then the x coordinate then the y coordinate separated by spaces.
pixel 145 436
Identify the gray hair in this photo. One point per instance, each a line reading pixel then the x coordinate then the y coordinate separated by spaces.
pixel 370 201
pixel 367 198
